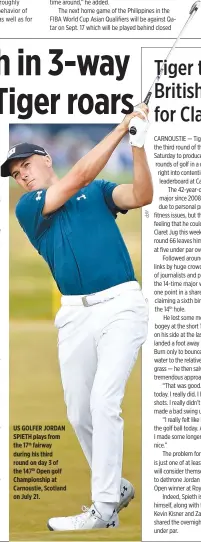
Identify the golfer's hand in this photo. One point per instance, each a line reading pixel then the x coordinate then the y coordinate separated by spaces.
pixel 127 118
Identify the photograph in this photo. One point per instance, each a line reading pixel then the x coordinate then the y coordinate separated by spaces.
pixel 77 321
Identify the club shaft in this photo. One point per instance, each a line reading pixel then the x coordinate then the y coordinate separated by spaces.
pixel 157 78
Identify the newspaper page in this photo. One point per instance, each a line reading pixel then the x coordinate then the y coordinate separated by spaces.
pixel 71 71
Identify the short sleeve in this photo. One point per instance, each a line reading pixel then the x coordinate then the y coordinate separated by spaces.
pixel 107 188
pixel 29 214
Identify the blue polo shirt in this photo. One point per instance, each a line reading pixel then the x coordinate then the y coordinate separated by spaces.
pixel 81 241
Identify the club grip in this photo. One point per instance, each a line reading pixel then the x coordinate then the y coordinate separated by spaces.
pixel 148 96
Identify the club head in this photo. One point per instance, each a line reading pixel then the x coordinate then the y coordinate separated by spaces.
pixel 194 7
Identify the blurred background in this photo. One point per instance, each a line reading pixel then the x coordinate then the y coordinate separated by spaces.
pixel 36 395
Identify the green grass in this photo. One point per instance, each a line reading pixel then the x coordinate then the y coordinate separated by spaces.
pixel 30 280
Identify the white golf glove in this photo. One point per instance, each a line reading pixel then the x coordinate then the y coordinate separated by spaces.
pixel 138 129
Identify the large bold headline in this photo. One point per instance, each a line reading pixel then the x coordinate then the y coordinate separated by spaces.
pixel 92 65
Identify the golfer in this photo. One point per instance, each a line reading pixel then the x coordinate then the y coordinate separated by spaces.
pixel 103 318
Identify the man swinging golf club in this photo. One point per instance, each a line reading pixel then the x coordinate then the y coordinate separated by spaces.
pixel 103 318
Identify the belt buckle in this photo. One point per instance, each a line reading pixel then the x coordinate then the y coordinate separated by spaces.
pixel 84 301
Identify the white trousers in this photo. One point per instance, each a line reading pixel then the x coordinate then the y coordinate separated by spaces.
pixel 97 347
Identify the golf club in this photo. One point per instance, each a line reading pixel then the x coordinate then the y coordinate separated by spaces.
pixel 192 12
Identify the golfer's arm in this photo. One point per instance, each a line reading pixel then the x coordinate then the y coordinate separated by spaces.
pixel 84 171
pixel 139 193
